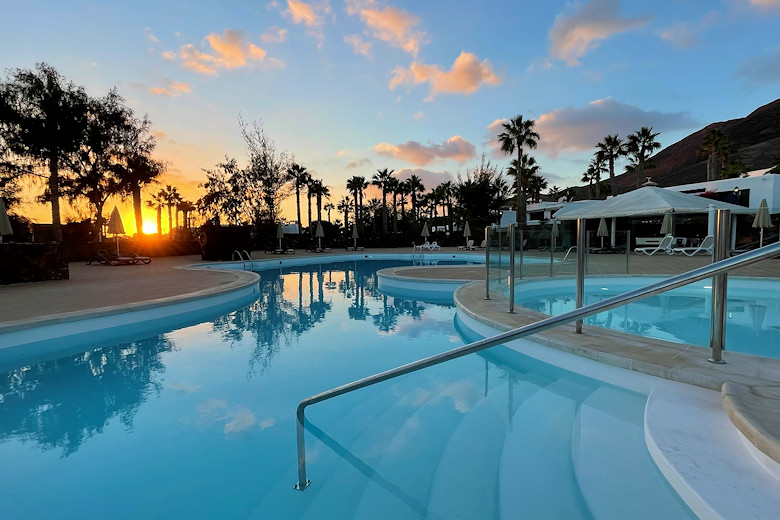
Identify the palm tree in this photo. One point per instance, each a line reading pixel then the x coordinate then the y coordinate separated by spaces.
pixel 139 170
pixel 446 196
pixel 393 185
pixel 172 198
pixel 640 146
pixel 319 190
pixel 344 205
pixel 524 169
pixel 536 183
pixel 356 185
pixel 596 168
pixel 518 133
pixel 612 148
pixel 716 146
pixel 415 187
pixel 300 178
pixel 328 207
pixel 380 179
pixel 158 202
pixel 588 177
pixel 186 207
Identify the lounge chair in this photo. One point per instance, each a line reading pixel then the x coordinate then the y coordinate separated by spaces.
pixel 480 247
pixel 665 245
pixel 139 259
pixel 467 247
pixel 431 246
pixel 705 247
pixel 107 258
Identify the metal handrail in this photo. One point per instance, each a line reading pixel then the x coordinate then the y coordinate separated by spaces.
pixel 674 282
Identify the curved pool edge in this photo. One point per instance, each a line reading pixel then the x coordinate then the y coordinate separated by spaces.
pixel 60 325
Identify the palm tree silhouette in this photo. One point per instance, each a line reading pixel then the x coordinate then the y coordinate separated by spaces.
pixel 172 198
pixel 640 146
pixel 393 185
pixel 319 190
pixel 717 147
pixel 380 179
pixel 611 149
pixel 139 171
pixel 518 133
pixel 343 206
pixel 415 187
pixel 356 185
pixel 158 202
pixel 300 178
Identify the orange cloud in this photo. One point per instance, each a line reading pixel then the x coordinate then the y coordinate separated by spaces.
pixel 580 31
pixel 456 148
pixel 466 76
pixel 358 45
pixel 766 4
pixel 307 14
pixel 393 26
pixel 172 89
pixel 229 51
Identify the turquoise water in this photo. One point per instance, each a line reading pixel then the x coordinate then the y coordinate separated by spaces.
pixel 198 422
pixel 682 315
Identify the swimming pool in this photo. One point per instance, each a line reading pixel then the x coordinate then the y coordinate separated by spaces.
pixel 198 422
pixel 681 315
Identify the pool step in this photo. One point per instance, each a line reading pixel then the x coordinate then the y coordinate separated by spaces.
pixel 358 460
pixel 618 480
pixel 466 480
pixel 541 438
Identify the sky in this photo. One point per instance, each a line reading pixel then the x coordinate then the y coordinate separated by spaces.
pixel 351 86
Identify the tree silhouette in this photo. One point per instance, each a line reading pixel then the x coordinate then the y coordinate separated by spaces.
pixel 640 146
pixel 42 122
pixel 519 133
pixel 611 149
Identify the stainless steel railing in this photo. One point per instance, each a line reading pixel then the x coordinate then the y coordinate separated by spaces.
pixel 701 273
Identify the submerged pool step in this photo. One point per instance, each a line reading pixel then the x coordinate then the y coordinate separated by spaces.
pixel 541 438
pixel 616 475
pixel 466 480
pixel 357 464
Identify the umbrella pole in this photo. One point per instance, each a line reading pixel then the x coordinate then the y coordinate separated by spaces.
pixel 116 237
pixel 761 238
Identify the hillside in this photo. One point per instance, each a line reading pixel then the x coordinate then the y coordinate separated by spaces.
pixel 756 138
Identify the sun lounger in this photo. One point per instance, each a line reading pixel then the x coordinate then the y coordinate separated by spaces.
pixel 469 245
pixel 665 245
pixel 107 258
pixel 705 247
pixel 431 246
pixel 480 247
pixel 139 259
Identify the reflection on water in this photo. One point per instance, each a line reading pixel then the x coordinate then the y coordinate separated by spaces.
pixel 62 403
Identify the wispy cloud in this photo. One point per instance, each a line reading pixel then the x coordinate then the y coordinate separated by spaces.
pixel 456 148
pixel 466 76
pixel 430 179
pixel 391 25
pixel 172 88
pixel 274 35
pixel 579 129
pixel 766 4
pixel 230 50
pixel 309 14
pixel 685 35
pixel 358 164
pixel 583 26
pixel 760 69
pixel 358 44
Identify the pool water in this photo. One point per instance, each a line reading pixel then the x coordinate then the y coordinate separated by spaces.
pixel 198 422
pixel 681 315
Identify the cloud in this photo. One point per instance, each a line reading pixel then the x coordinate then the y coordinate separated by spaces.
pixel 580 30
pixel 173 89
pixel 456 148
pixel 760 69
pixel 391 25
pixel 310 15
pixel 358 45
pixel 228 51
pixel 685 35
pixel 274 35
pixel 418 115
pixel 578 129
pixel 491 137
pixel 466 76
pixel 358 164
pixel 240 420
pixel 429 178
pixel 766 4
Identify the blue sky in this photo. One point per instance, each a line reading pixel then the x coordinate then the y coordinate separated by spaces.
pixel 348 87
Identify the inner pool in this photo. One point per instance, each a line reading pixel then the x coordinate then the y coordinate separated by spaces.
pixel 199 422
pixel 681 315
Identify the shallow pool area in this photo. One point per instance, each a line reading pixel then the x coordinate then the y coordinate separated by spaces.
pixel 681 315
pixel 198 421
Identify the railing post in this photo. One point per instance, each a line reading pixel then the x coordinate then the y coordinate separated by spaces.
pixel 512 267
pixel 581 248
pixel 521 255
pixel 719 286
pixel 628 252
pixel 303 482
pixel 487 262
pixel 552 253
